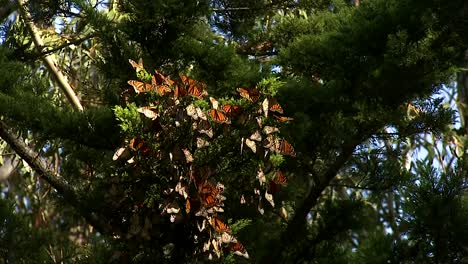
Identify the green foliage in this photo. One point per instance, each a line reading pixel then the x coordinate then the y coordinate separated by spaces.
pixel 240 224
pixel 435 212
pixel 129 119
pixel 271 85
pixel 360 84
pixel 376 248
pixel 276 160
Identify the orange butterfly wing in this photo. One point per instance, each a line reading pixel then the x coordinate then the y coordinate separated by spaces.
pixel 218 116
pixel 137 144
pixel 232 110
pixel 179 91
pixel 141 87
pixel 160 79
pixel 206 188
pixel 286 148
pixel 275 106
pixel 250 94
pixel 195 91
pixel 209 201
pixel 188 206
pixel 163 89
pixel 283 118
pixel 219 225
pixel 194 88
pixel 238 249
pixel 280 178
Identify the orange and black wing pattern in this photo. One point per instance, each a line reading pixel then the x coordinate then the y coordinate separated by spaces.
pixel 280 178
pixel 275 106
pixel 218 116
pixel 250 94
pixel 179 91
pixel 137 144
pixel 283 118
pixel 141 87
pixel 219 225
pixel 286 148
pixel 193 87
pixel 232 110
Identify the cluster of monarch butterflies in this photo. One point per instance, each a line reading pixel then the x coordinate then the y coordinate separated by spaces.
pixel 193 195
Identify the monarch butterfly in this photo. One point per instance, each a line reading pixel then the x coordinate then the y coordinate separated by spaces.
pixel 280 178
pixel 251 144
pixel 242 199
pixel 206 188
pixel 232 110
pixel 161 84
pixel 201 143
pixel 269 198
pixel 179 91
pixel 160 79
pixel 283 118
pixel 204 127
pixel 238 249
pixel 149 111
pixel 275 106
pixel 286 148
pixel 261 176
pixel 137 66
pixel 163 89
pixel 218 116
pixel 194 88
pixel 214 103
pixel 219 225
pixel 201 114
pixel 256 136
pixel 188 206
pixel 209 201
pixel 250 94
pixel 119 153
pixel 141 87
pixel 264 107
pixel 272 143
pixel 269 130
pixel 209 188
pixel 188 155
pixel 136 143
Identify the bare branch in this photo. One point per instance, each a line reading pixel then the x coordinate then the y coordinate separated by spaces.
pixel 49 59
pixel 45 172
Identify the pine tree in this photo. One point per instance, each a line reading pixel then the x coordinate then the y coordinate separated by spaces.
pixel 249 132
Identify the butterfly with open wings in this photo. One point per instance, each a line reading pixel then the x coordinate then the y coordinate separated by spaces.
pixel 232 110
pixel 193 87
pixel 219 117
pixel 219 225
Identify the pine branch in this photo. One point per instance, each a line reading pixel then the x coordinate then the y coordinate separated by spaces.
pixel 311 200
pixel 49 59
pixel 45 172
pixel 64 45
pixel 298 222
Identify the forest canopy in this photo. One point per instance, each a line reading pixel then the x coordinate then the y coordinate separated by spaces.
pixel 227 131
